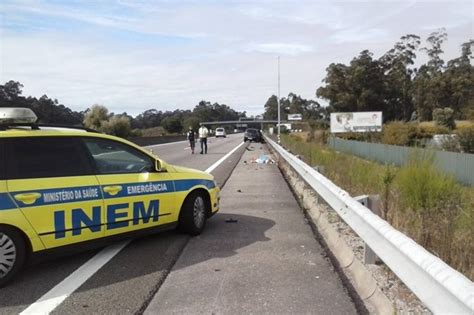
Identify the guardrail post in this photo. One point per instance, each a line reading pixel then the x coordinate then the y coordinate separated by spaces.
pixel 373 203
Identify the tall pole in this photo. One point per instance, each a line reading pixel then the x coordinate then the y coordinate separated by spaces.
pixel 278 100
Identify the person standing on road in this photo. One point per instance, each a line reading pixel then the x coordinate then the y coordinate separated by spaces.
pixel 192 139
pixel 203 132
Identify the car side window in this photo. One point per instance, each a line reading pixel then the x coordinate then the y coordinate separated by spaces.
pixel 112 157
pixel 41 157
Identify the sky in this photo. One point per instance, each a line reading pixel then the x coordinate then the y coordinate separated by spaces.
pixel 134 55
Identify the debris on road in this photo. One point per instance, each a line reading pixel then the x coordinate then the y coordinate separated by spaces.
pixel 262 159
pixel 230 220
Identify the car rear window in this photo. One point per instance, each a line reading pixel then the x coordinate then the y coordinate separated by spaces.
pixel 40 157
pixel 252 131
pixel 220 129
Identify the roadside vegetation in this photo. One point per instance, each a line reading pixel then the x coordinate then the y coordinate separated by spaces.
pixel 429 206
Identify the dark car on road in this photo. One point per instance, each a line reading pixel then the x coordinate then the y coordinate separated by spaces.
pixel 252 134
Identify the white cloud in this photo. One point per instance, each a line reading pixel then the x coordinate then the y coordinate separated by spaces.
pixel 228 55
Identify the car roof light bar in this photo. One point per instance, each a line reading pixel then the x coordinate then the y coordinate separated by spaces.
pixel 17 115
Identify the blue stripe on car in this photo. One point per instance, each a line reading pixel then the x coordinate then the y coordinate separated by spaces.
pixel 6 203
pixel 87 193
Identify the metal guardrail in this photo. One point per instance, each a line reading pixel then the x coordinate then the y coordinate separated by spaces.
pixel 441 288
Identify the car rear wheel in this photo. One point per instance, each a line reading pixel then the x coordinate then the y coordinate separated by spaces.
pixel 12 254
pixel 192 218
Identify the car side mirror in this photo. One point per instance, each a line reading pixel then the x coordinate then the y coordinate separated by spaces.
pixel 159 167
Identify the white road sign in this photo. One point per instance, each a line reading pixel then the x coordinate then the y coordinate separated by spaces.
pixel 295 117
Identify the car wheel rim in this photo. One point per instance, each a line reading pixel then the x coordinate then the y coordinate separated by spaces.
pixel 199 212
pixel 7 255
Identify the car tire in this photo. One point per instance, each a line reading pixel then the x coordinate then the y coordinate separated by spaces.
pixel 192 218
pixel 12 254
pixel 245 139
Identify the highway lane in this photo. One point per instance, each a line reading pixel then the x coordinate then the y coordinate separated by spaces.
pixel 258 256
pixel 127 282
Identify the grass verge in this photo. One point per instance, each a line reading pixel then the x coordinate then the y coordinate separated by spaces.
pixel 420 201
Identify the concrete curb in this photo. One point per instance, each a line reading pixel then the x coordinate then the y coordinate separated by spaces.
pixel 361 279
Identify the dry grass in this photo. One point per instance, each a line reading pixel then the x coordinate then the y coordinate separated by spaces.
pixel 459 124
pixel 464 124
pixel 154 132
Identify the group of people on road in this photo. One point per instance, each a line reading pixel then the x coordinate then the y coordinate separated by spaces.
pixel 203 132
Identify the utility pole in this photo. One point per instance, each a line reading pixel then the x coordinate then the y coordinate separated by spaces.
pixel 278 100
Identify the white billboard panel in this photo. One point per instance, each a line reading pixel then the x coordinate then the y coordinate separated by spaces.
pixel 356 122
pixel 295 117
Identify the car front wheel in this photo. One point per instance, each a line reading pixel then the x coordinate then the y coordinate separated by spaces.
pixel 192 218
pixel 12 254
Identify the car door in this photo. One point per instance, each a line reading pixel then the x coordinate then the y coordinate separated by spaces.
pixel 51 180
pixel 136 196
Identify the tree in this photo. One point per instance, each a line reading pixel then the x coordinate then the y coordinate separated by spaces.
pixel 49 111
pixel 118 126
pixel 430 90
pixel 357 87
pixel 96 116
pixel 444 117
pixel 10 91
pixel 434 52
pixel 271 108
pixel 172 124
pixel 397 64
pixel 459 80
pixel 192 122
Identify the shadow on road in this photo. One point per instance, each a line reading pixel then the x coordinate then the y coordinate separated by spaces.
pixel 145 259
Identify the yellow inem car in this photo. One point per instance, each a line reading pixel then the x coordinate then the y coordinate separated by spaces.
pixel 65 186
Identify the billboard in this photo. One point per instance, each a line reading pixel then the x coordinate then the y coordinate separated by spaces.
pixel 295 117
pixel 356 122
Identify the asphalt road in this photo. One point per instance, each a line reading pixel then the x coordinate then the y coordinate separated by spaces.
pixel 266 260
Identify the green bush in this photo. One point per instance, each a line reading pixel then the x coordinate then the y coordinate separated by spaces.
pixel 444 117
pixel 399 133
pixel 466 139
pixel 118 126
pixel 435 201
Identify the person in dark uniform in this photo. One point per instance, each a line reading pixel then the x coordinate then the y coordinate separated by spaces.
pixel 192 139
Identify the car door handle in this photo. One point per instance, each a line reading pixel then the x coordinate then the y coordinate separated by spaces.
pixel 112 190
pixel 28 198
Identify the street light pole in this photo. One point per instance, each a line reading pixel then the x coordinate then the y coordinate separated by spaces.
pixel 278 100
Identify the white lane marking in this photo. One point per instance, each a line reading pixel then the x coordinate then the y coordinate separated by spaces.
pixel 213 166
pixel 162 144
pixel 54 297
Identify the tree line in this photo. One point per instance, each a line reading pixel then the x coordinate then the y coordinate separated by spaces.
pixel 50 111
pixel 392 84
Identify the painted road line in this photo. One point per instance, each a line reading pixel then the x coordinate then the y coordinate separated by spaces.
pixel 162 144
pixel 213 166
pixel 53 298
